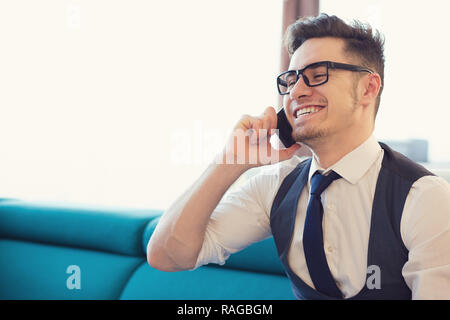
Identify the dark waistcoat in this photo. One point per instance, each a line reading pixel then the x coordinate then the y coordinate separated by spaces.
pixel 386 252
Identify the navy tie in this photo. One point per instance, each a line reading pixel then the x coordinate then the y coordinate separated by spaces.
pixel 313 238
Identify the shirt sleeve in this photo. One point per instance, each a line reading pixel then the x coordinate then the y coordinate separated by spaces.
pixel 425 230
pixel 239 220
pixel 242 216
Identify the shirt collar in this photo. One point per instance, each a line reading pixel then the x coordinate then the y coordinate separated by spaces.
pixel 354 164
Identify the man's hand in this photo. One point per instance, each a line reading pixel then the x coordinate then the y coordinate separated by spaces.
pixel 249 143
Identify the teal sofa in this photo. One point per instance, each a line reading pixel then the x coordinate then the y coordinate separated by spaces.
pixel 65 251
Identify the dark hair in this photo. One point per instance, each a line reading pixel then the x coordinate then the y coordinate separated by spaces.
pixel 361 41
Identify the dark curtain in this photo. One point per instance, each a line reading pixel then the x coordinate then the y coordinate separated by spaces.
pixel 293 10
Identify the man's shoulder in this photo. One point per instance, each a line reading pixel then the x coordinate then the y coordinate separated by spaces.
pixel 402 166
pixel 432 184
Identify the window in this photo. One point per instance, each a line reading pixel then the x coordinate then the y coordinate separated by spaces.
pixel 125 102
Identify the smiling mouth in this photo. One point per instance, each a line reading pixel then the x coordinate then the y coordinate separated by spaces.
pixel 308 110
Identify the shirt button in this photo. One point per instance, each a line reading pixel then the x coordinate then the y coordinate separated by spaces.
pixel 330 249
pixel 330 206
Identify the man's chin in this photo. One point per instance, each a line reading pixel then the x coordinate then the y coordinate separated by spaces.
pixel 309 137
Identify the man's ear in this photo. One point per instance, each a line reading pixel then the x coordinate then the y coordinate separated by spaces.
pixel 371 88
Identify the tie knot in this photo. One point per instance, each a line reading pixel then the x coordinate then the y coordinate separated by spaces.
pixel 320 182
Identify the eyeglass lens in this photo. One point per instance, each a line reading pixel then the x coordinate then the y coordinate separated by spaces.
pixel 315 75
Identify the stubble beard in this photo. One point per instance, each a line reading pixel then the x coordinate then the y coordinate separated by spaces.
pixel 310 136
pixel 315 135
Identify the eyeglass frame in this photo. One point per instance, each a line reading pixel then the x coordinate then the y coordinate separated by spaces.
pixel 329 65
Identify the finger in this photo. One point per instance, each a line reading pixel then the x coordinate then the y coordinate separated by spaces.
pixel 266 119
pixel 267 122
pixel 272 115
pixel 256 125
pixel 264 131
pixel 245 122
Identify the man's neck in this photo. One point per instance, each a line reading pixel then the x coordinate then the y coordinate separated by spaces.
pixel 335 148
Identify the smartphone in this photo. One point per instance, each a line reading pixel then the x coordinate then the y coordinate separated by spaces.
pixel 284 129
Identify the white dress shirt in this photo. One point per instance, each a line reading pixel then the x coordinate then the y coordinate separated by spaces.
pixel 242 217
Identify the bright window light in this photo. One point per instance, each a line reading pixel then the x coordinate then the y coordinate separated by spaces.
pixel 97 95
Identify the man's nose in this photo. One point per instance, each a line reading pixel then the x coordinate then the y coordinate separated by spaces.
pixel 300 89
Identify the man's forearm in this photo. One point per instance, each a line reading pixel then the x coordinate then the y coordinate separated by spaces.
pixel 178 238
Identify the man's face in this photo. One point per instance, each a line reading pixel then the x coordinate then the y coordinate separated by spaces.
pixel 336 98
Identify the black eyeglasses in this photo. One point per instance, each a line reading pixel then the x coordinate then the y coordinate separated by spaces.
pixel 313 75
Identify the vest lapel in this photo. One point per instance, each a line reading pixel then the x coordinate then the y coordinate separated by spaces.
pixel 285 205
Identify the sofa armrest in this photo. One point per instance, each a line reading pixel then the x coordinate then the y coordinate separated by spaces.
pixel 113 230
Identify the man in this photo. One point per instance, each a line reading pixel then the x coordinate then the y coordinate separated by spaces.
pixel 354 210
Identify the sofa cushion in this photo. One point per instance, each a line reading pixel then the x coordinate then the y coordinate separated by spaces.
pixel 39 271
pixel 206 283
pixel 110 229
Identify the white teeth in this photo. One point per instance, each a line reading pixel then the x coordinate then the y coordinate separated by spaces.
pixel 307 110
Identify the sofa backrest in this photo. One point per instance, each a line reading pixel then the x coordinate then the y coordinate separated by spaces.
pixel 115 230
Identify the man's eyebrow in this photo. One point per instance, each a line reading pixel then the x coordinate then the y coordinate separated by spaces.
pixel 306 65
